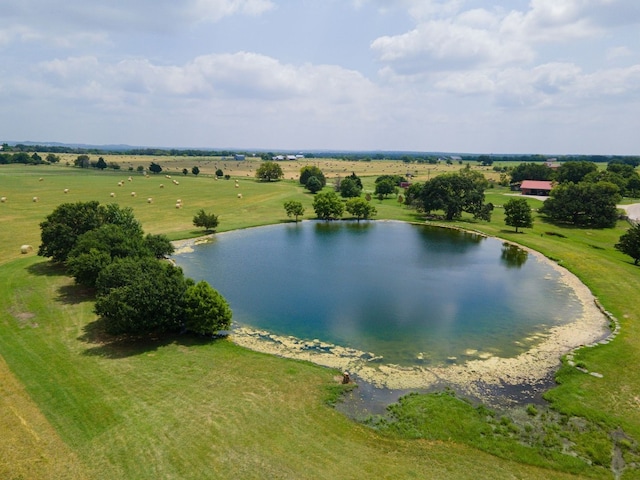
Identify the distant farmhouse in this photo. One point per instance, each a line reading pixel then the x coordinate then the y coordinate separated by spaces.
pixel 239 157
pixel 552 163
pixel 288 157
pixel 536 187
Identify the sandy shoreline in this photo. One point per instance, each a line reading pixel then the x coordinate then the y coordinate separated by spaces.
pixel 473 377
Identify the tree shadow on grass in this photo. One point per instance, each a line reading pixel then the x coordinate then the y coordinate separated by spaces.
pixel 569 225
pixel 75 294
pixel 123 346
pixel 71 294
pixel 47 269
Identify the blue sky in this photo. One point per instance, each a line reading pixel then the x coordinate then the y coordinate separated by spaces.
pixel 538 76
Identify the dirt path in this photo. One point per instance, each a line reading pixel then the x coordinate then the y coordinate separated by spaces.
pixel 633 211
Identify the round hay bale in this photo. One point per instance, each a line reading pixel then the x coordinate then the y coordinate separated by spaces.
pixel 178 201
pixel 35 199
pixel 112 194
pixel 66 190
pixel 239 195
pixel 161 186
pixel 133 194
pixel 130 179
pixel 178 205
pixel 149 200
pixel 24 249
pixel 40 179
pixel 3 199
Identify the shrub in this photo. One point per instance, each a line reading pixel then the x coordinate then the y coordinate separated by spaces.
pixel 206 311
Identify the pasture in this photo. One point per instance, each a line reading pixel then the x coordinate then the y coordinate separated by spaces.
pixel 77 405
pixel 331 168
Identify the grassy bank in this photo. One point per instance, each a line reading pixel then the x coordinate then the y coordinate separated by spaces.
pixel 182 408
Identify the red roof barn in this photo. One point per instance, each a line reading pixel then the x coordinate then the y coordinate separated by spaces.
pixel 536 187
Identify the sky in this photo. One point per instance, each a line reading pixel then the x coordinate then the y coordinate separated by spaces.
pixel 466 76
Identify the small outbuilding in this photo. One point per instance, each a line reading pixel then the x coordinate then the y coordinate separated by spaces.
pixel 536 187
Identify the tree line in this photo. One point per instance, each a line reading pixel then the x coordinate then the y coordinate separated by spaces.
pixel 104 248
pixel 366 156
pixel 26 159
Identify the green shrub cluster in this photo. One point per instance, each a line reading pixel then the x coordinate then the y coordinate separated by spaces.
pixel 137 290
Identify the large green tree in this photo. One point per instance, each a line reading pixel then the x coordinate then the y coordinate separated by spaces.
pixel 350 188
pixel 206 311
pixel 328 206
pixel 158 245
pixel 208 221
pixel 294 209
pixel 385 187
pixel 607 176
pixel 309 171
pixel 531 171
pixel 356 179
pixel 97 248
pixel 140 296
pixel 269 171
pixel 82 161
pixel 360 208
pixel 88 236
pixel 629 243
pixel 61 228
pixel 314 184
pixel 574 172
pixel 455 193
pixel 583 204
pixel 517 213
pixel 413 196
pixel 630 179
pixel 123 216
pixel 85 267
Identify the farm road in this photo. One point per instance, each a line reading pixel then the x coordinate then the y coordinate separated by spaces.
pixel 633 211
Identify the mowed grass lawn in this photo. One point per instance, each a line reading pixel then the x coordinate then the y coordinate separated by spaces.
pixel 76 406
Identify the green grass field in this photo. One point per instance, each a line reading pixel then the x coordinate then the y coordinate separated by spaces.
pixel 75 405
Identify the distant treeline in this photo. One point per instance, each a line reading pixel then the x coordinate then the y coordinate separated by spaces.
pixel 156 152
pixel 24 157
pixel 488 159
pixel 406 157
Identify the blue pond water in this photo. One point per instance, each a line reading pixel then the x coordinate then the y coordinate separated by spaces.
pixel 408 293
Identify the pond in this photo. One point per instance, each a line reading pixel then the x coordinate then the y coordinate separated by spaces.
pixel 404 294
